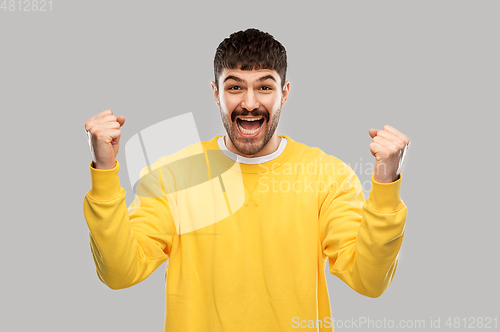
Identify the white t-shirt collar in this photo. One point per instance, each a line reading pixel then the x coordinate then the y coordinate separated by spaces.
pixel 253 160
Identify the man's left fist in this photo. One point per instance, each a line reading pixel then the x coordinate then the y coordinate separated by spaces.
pixel 389 147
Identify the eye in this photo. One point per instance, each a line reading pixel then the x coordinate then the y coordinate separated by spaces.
pixel 266 88
pixel 235 87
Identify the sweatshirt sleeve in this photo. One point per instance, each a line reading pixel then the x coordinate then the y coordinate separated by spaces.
pixel 127 244
pixel 362 239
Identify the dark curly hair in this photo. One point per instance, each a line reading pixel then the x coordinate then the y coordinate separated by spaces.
pixel 250 49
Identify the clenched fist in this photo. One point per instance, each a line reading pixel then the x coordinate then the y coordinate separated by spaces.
pixel 105 130
pixel 389 147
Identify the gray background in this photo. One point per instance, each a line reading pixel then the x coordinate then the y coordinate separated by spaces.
pixel 428 68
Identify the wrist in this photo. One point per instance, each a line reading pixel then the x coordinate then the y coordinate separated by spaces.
pixel 385 179
pixel 103 166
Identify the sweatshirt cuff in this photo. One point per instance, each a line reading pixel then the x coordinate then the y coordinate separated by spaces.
pixel 385 197
pixel 105 183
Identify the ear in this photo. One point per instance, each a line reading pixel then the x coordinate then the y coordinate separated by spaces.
pixel 216 92
pixel 286 90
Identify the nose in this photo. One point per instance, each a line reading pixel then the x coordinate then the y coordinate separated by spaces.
pixel 250 101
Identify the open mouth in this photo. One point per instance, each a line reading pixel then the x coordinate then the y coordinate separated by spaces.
pixel 250 126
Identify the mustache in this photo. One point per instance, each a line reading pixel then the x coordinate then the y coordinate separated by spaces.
pixel 255 112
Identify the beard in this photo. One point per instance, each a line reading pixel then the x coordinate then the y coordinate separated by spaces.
pixel 250 146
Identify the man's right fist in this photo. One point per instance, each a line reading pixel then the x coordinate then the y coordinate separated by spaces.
pixel 105 130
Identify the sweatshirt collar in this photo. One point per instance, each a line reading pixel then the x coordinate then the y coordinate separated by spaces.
pixel 261 167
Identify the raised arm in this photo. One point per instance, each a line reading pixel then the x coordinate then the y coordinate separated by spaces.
pixel 362 239
pixel 127 244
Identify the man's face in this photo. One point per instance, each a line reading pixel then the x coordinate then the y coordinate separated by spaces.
pixel 250 103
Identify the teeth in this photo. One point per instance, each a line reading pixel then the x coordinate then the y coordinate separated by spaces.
pixel 250 119
pixel 248 132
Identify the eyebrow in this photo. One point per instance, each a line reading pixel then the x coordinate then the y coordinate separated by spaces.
pixel 237 79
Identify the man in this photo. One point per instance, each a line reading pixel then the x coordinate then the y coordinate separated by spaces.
pixel 254 262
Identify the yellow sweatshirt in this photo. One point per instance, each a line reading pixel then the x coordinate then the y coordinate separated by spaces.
pixel 246 244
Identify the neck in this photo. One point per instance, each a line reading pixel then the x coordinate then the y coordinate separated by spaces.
pixel 270 147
